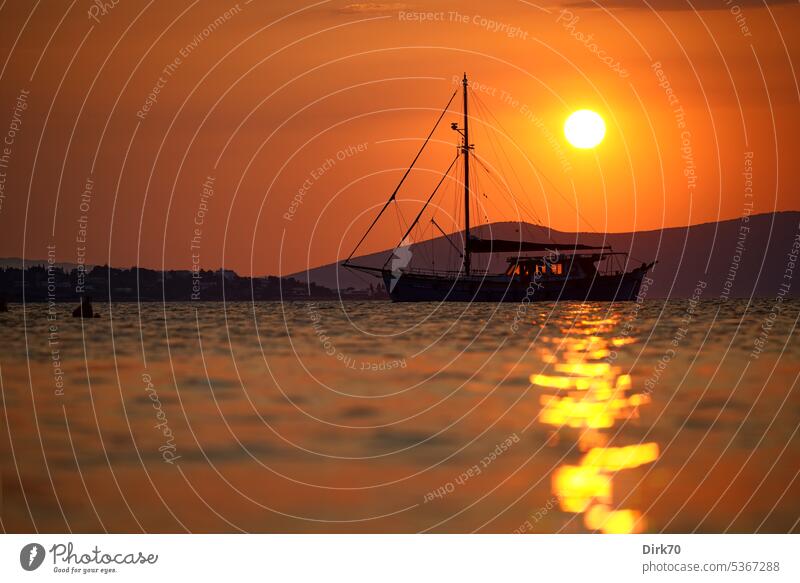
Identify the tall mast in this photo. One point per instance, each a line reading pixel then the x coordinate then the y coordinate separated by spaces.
pixel 466 149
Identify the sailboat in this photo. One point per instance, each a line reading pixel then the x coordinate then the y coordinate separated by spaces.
pixel 536 271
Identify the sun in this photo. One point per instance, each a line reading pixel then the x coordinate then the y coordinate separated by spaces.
pixel 584 129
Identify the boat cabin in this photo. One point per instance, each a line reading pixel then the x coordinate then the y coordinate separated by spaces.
pixel 573 265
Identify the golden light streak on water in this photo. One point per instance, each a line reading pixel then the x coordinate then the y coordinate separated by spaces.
pixel 585 393
pixel 614 459
pixel 601 517
pixel 579 486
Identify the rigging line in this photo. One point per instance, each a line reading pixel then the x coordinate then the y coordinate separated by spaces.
pixel 359 276
pixel 499 144
pixel 517 202
pixel 408 170
pixel 398 217
pixel 446 236
pixel 505 133
pixel 558 191
pixel 522 204
pixel 401 219
pixel 425 251
pixel 496 208
pixel 401 225
pixel 429 236
pixel 427 202
pixel 480 194
pixel 457 194
pixel 489 201
pixel 501 189
pixel 536 218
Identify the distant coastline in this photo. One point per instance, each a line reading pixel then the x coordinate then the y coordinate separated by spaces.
pixel 754 256
pixel 43 282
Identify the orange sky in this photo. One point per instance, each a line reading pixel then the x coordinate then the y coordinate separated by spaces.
pixel 265 96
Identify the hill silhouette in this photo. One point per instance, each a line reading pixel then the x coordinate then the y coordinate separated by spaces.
pixel 737 258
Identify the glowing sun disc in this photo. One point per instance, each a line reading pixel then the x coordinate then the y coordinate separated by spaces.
pixel 584 129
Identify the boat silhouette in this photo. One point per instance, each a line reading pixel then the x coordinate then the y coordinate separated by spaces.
pixel 535 271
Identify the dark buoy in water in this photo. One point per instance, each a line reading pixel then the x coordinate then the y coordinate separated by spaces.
pixel 85 309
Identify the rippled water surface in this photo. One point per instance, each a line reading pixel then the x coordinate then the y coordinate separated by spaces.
pixel 379 417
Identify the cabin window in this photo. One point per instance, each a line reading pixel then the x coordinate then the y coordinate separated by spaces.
pixel 540 269
pixel 557 268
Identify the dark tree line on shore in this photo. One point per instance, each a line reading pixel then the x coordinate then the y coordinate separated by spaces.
pixel 42 283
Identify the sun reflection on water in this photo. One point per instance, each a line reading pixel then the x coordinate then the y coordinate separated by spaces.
pixel 584 395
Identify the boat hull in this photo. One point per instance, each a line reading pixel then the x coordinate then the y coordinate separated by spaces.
pixel 417 287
